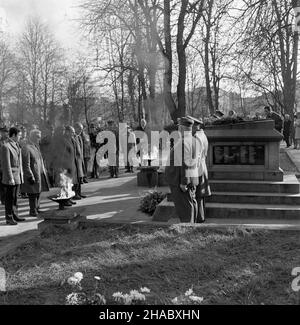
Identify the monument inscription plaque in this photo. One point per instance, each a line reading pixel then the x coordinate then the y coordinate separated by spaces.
pixel 244 151
pixel 239 155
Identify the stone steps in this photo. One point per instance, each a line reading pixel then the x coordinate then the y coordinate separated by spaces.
pixel 288 186
pixel 255 198
pixel 166 210
pixel 252 211
pixel 246 200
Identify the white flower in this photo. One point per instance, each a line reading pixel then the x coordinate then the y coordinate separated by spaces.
pixel 199 300
pixel 175 300
pixel 101 299
pixel 118 296
pixel 134 292
pixel 78 276
pixel 135 295
pixel 73 299
pixel 189 293
pixel 72 281
pixel 145 290
pixel 127 299
pixel 97 278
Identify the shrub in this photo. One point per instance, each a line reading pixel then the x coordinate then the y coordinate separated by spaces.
pixel 151 200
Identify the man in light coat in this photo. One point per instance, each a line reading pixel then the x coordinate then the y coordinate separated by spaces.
pixel 12 175
pixel 203 189
pixel 35 175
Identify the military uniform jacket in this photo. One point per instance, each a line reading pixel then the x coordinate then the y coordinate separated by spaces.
pixel 11 163
pixel 182 164
pixel 202 167
pixel 34 168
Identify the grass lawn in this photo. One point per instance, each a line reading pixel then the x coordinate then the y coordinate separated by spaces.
pixel 230 266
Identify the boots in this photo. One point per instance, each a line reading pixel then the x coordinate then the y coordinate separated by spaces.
pixel 17 219
pixel 128 169
pixel 10 221
pixel 79 192
pixel 76 190
pixel 33 206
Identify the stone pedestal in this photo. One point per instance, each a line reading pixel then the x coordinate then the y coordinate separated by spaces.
pixel 151 177
pixel 148 176
pixel 60 219
pixel 244 151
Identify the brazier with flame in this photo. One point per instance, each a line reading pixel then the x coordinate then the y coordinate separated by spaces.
pixel 66 192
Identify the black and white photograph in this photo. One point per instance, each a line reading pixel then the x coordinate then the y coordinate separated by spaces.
pixel 149 155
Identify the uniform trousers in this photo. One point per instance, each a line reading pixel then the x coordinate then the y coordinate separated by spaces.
pixel 202 191
pixel 185 204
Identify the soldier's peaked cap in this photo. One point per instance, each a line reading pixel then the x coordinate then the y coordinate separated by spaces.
pixel 185 121
pixel 196 121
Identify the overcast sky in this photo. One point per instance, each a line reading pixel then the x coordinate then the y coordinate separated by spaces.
pixel 59 14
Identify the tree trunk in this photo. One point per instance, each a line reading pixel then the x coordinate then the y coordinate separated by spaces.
pixel 181 61
pixel 207 61
pixel 168 56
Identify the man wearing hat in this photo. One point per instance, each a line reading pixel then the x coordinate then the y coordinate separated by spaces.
pixel 203 189
pixel 3 139
pixel 182 174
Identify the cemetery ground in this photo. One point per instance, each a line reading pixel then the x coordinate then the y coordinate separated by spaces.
pixel 224 265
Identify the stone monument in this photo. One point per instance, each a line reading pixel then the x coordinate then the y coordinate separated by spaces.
pixel 244 151
pixel 245 175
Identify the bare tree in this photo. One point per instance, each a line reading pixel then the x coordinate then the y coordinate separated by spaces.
pixel 269 50
pixel 6 73
pixel 38 56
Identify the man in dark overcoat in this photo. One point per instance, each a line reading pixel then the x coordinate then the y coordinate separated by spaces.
pixel 12 175
pixel 35 175
pixel 113 154
pixel 3 139
pixel 182 174
pixel 79 159
pixel 86 153
pixel 68 157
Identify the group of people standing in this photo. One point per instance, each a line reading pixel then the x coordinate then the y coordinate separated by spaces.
pixel 186 172
pixel 126 144
pixel 288 126
pixel 22 169
pixel 27 164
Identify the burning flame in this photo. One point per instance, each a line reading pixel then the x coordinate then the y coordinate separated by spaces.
pixel 66 185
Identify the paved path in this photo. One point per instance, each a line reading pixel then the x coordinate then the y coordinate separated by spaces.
pixel 294 155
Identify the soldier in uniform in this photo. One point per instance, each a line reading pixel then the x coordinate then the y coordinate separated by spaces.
pixel 182 174
pixel 203 189
pixel 12 175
